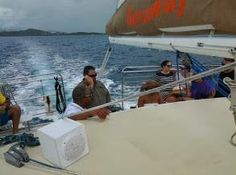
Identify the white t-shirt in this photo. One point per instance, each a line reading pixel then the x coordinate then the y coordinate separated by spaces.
pixel 150 104
pixel 73 108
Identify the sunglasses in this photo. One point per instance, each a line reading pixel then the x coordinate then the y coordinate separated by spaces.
pixel 147 88
pixel 92 76
pixel 168 65
pixel 228 60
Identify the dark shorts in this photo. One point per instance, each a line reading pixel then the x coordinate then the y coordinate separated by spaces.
pixel 4 118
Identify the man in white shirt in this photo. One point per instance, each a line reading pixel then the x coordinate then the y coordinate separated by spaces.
pixel 82 104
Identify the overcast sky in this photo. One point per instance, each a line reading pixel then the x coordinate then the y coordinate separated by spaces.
pixel 56 15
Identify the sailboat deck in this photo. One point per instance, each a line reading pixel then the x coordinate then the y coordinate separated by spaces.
pixel 190 137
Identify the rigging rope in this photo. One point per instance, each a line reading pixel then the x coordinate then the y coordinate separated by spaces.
pixel 232 139
pixel 104 63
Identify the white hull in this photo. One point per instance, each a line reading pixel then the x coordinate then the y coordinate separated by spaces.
pixel 210 46
pixel 184 138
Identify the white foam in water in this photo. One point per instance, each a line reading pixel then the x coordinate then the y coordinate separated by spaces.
pixel 38 55
pixel 108 82
pixel 129 104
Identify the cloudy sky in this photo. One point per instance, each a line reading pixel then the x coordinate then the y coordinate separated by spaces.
pixel 56 15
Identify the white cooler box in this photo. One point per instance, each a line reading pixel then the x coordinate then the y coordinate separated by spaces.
pixel 63 142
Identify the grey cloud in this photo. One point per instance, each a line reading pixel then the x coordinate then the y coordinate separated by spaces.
pixel 59 15
pixel 6 13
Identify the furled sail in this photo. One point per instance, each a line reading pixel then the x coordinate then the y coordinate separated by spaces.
pixel 184 20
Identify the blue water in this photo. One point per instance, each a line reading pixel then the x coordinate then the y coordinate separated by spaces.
pixel 24 56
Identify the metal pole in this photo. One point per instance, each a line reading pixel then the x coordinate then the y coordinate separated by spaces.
pixel 122 91
pixel 104 63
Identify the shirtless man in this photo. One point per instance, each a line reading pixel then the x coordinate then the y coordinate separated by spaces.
pixel 150 98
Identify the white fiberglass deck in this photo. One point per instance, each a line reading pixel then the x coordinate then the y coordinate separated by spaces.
pixel 185 138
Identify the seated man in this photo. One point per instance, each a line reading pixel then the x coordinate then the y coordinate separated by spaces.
pixel 150 98
pixel 83 103
pixel 9 112
pixel 92 89
pixel 89 93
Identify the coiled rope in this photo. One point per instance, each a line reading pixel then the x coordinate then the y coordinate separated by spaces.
pixel 25 139
pixel 60 96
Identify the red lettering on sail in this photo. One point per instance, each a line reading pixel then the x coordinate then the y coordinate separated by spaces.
pixel 152 12
pixel 170 6
pixel 142 16
pixel 182 5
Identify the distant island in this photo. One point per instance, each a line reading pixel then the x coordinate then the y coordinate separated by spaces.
pixel 36 32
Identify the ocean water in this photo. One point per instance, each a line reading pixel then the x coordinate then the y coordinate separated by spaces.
pixel 26 56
